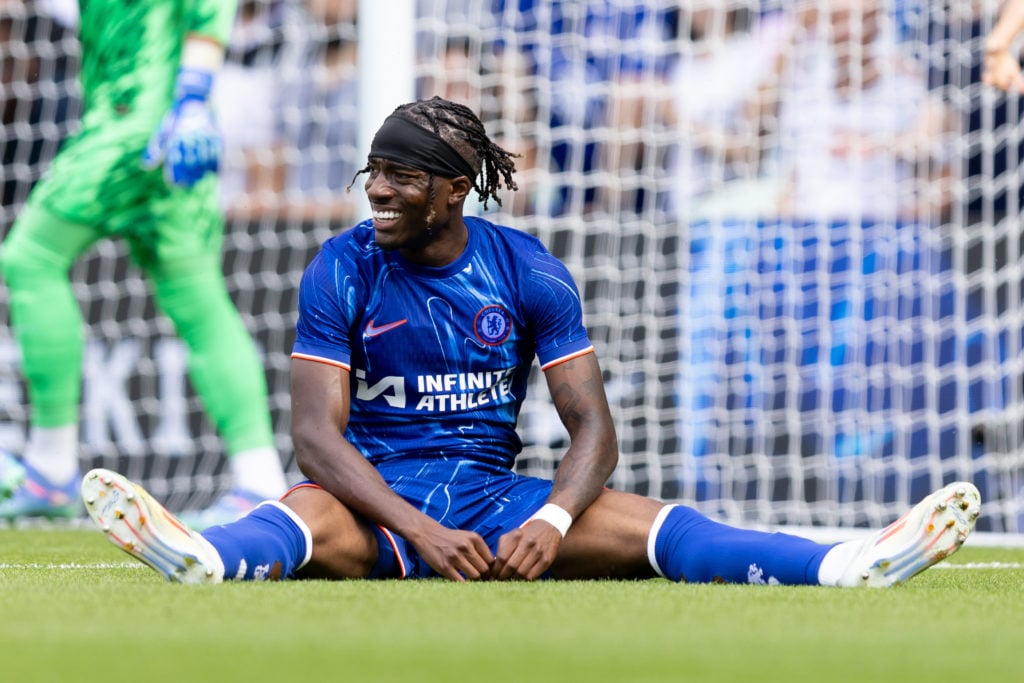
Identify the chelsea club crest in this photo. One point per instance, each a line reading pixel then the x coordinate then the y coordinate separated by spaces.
pixel 492 325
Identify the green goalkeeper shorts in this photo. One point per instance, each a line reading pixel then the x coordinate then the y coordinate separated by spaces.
pixel 97 179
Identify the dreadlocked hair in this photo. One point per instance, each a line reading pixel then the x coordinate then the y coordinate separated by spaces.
pixel 458 126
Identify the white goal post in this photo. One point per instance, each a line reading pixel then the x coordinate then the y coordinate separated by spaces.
pixel 796 233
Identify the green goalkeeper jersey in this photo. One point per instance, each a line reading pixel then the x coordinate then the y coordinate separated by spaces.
pixel 97 186
pixel 130 55
pixel 131 50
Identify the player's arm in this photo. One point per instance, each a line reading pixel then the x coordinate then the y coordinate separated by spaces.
pixel 187 143
pixel 320 410
pixel 1002 67
pixel 577 389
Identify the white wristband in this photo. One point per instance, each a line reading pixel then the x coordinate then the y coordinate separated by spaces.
pixel 555 516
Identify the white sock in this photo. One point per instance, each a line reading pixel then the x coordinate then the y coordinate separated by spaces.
pixel 836 560
pixel 53 452
pixel 259 470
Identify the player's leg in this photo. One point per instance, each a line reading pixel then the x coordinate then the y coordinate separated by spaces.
pixel 307 535
pixel 47 322
pixel 223 364
pixel 609 539
pixel 624 535
pixel 184 266
pixel 92 183
pixel 345 546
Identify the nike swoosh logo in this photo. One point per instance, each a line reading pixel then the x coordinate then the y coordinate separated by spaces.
pixel 372 330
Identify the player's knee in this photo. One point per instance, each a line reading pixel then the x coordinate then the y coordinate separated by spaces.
pixel 343 546
pixel 196 303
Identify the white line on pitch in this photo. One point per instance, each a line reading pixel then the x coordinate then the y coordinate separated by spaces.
pixel 73 565
pixel 979 565
pixel 139 565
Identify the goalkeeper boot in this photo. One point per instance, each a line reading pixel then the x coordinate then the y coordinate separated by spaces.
pixel 143 528
pixel 230 507
pixel 933 530
pixel 11 474
pixel 33 495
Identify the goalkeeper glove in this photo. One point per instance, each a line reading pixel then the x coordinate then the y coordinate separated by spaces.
pixel 187 143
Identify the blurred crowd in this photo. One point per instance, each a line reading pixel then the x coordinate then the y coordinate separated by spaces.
pixel 818 109
pixel 764 196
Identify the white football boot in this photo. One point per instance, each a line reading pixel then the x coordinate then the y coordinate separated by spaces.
pixel 143 528
pixel 933 530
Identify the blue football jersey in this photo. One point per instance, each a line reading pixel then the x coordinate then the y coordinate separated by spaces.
pixel 439 357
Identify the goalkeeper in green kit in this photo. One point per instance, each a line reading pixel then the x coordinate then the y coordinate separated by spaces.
pixel 142 168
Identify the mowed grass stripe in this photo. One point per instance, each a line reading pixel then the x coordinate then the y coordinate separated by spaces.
pixel 110 619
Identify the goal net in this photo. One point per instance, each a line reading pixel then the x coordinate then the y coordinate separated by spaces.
pixel 794 225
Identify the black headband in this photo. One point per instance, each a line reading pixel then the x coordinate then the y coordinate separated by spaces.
pixel 402 141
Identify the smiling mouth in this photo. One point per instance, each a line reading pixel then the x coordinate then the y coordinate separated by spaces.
pixel 386 216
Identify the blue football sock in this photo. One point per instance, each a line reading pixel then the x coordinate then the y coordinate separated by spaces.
pixel 690 547
pixel 269 543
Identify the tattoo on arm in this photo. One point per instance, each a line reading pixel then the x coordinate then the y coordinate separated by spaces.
pixel 567 401
pixel 568 397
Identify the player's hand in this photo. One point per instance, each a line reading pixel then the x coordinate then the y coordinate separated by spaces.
pixel 187 143
pixel 527 552
pixel 456 555
pixel 1002 70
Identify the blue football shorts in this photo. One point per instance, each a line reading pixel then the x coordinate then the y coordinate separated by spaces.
pixel 461 494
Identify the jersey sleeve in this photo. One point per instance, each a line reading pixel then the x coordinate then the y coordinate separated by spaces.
pixel 212 18
pixel 556 312
pixel 326 306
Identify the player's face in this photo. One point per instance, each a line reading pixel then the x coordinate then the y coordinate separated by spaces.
pixel 406 215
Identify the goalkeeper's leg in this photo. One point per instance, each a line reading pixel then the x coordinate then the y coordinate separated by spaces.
pixel 229 377
pixel 36 258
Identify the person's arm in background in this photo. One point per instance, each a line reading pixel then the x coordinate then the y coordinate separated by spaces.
pixel 1002 67
pixel 187 143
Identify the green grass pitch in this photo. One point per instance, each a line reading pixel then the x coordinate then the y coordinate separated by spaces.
pixel 75 608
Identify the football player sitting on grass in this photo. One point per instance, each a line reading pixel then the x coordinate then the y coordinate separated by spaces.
pixel 416 333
